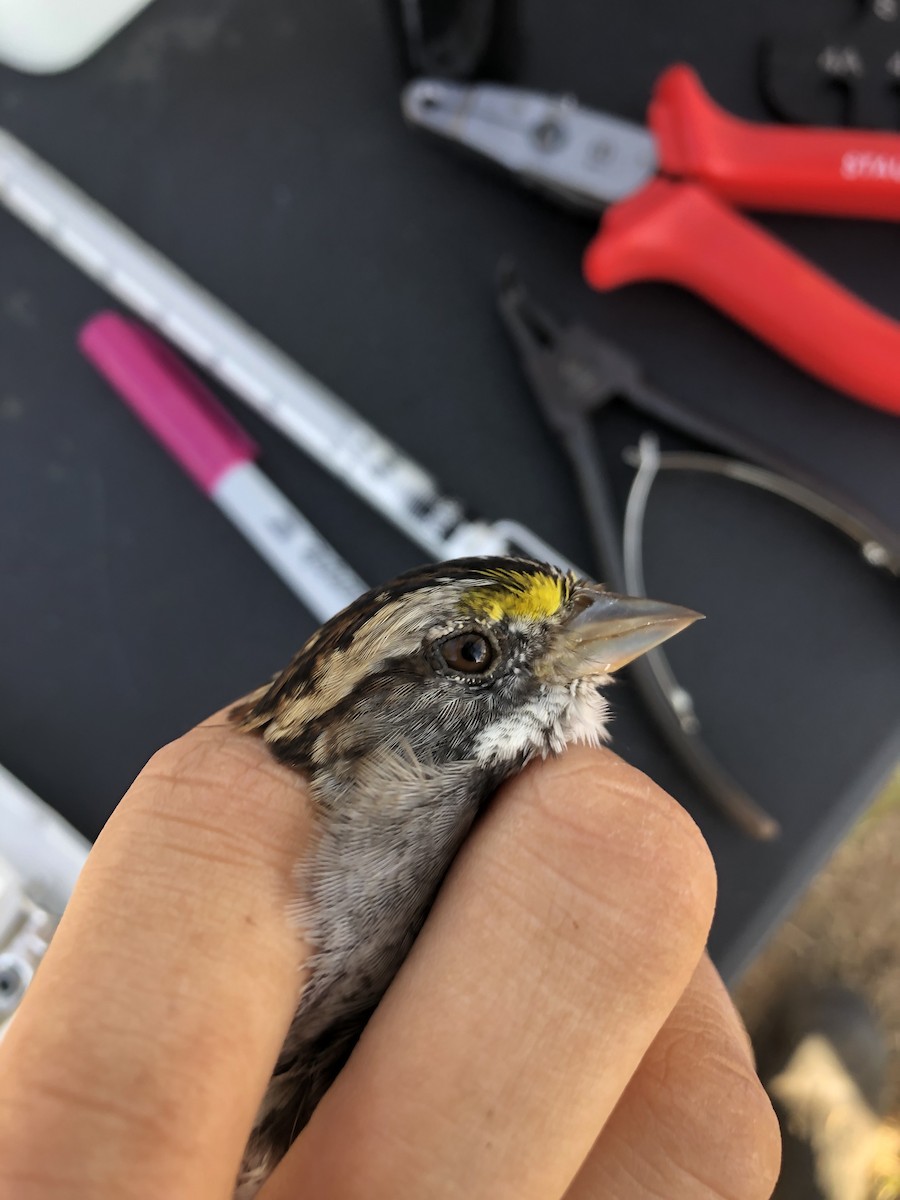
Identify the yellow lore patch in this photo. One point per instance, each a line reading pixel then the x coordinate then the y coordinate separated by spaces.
pixel 528 595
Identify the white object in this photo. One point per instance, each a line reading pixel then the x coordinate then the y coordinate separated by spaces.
pixel 292 547
pixel 219 341
pixel 215 338
pixel 43 850
pixel 41 856
pixel 43 36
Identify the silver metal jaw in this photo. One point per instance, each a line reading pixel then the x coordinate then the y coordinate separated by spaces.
pixel 578 155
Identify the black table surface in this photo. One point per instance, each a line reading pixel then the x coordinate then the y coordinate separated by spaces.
pixel 260 146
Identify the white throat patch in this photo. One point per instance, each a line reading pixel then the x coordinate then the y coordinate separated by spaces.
pixel 550 720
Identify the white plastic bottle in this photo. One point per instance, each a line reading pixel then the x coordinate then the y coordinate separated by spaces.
pixel 44 36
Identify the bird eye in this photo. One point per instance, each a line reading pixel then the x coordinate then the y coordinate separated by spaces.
pixel 467 653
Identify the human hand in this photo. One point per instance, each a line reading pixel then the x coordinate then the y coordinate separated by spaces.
pixel 556 1031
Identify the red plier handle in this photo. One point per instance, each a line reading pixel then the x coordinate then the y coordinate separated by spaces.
pixel 686 233
pixel 830 171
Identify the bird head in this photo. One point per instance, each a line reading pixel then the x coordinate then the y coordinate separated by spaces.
pixel 488 661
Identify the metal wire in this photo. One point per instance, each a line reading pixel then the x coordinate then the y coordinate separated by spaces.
pixel 668 704
pixel 649 461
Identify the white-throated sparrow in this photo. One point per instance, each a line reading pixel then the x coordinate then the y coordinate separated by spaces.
pixel 403 713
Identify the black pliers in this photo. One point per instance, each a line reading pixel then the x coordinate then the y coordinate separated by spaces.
pixel 573 373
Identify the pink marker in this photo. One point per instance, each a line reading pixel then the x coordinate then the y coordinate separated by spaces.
pixel 218 455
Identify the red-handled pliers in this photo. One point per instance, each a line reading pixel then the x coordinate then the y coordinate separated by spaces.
pixel 671 188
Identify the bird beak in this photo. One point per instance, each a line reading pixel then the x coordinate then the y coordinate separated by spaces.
pixel 609 631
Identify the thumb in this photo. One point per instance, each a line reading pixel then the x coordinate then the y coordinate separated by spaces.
pixel 149 1034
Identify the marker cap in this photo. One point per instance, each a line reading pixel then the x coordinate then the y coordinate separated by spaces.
pixel 167 397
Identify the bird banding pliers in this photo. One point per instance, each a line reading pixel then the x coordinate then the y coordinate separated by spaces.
pixel 670 191
pixel 573 374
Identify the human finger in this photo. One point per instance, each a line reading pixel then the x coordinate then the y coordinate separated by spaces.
pixel 695 1122
pixel 137 1060
pixel 567 930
